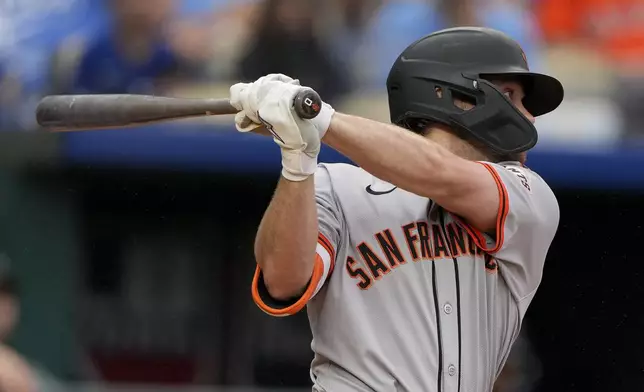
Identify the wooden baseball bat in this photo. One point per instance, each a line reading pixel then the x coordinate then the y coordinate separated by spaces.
pixel 88 112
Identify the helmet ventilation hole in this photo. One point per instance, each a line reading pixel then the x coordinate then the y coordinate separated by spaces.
pixel 463 101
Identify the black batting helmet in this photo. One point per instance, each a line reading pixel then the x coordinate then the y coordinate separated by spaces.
pixel 459 62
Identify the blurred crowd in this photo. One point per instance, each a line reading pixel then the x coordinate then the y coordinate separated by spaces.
pixel 342 48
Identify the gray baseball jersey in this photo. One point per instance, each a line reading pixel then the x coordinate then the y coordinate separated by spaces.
pixel 406 296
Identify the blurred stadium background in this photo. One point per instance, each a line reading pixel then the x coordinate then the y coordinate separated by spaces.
pixel 127 254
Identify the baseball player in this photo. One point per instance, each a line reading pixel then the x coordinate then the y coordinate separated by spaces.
pixel 418 265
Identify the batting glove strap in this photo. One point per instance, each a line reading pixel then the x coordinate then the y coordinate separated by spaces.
pixel 323 120
pixel 298 165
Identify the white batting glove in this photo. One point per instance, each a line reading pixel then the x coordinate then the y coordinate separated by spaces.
pixel 246 97
pixel 269 101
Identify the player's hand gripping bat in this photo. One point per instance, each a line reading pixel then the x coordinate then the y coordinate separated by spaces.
pixel 87 112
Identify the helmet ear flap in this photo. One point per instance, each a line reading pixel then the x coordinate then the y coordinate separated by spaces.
pixel 481 113
pixel 496 122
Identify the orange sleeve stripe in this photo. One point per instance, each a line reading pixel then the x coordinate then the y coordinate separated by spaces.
pixel 475 234
pixel 326 244
pixel 318 272
pixel 504 208
pixel 502 214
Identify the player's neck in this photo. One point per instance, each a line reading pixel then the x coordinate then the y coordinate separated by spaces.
pixel 456 145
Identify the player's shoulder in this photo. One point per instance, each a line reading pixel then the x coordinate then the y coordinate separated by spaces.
pixel 516 167
pixel 534 188
pixel 525 175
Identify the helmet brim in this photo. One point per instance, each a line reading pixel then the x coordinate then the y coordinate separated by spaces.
pixel 543 93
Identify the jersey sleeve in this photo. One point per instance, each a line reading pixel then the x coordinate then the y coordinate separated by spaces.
pixel 330 227
pixel 527 220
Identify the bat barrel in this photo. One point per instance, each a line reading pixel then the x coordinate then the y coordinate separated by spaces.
pixel 103 111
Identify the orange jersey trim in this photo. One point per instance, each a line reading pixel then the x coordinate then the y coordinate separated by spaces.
pixel 326 244
pixel 502 214
pixel 318 273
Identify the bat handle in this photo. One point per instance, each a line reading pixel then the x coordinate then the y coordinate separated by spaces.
pixel 307 104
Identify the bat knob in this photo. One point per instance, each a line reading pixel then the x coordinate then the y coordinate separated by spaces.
pixel 307 104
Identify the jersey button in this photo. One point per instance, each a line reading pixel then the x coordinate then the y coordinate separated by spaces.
pixel 451 370
pixel 447 308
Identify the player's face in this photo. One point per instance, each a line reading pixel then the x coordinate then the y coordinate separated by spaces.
pixel 514 92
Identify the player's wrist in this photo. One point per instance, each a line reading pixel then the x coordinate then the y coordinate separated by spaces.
pixel 294 177
pixel 336 125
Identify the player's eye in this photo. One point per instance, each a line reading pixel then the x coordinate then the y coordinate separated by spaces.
pixel 509 94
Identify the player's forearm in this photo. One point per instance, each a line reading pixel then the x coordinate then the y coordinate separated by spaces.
pixel 287 237
pixel 392 154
